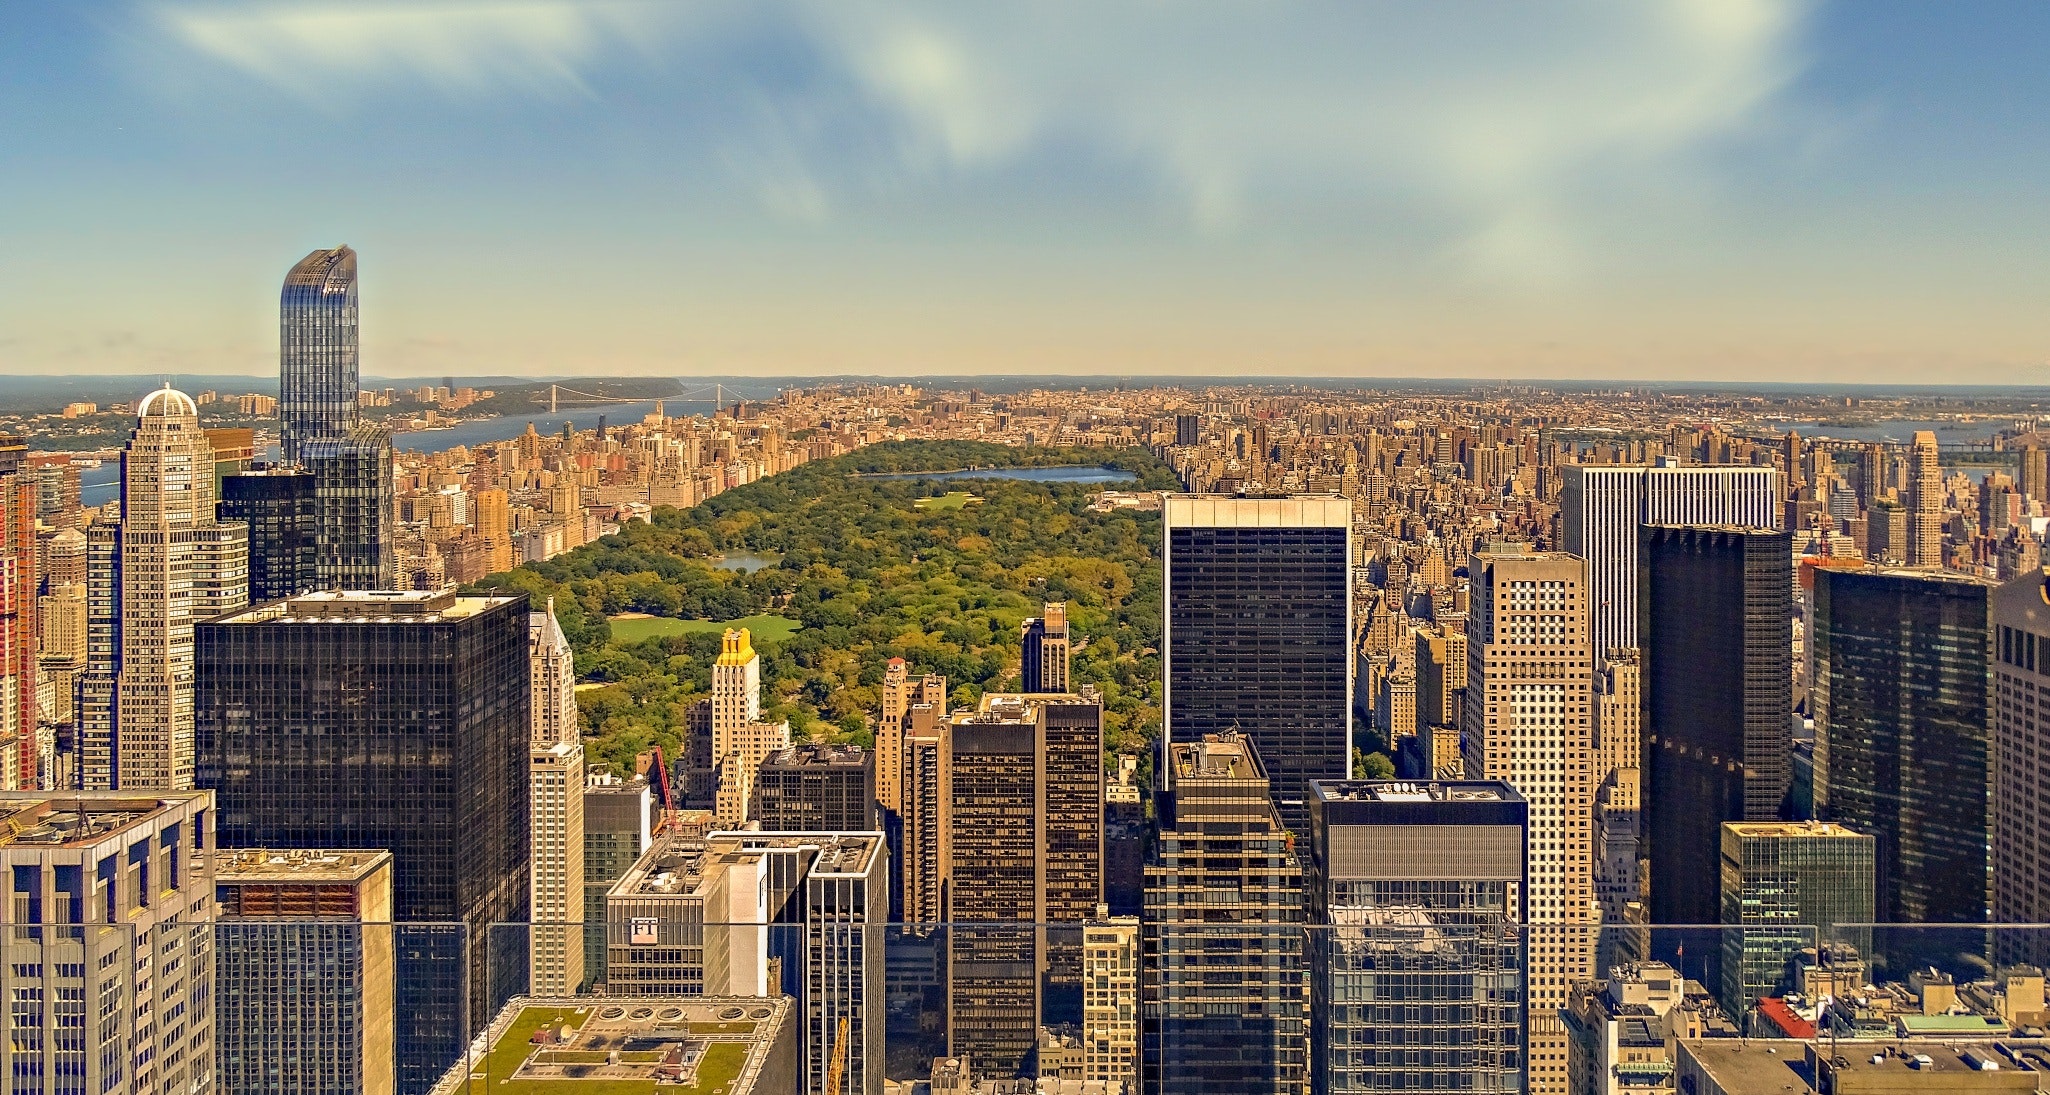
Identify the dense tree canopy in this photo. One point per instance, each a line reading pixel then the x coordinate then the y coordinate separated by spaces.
pixel 871 576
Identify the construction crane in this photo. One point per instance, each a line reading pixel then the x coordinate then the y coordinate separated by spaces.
pixel 836 1073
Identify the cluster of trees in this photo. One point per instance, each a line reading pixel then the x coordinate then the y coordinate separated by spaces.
pixel 870 576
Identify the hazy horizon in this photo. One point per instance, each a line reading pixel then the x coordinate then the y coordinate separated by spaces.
pixel 1715 191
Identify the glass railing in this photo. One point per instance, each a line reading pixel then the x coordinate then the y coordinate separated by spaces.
pixel 1389 1000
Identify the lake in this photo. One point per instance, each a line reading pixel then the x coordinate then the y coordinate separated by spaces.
pixel 747 561
pixel 1066 473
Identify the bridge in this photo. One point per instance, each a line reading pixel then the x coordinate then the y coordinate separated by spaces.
pixel 560 396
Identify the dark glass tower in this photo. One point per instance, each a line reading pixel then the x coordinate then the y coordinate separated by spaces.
pixel 1259 632
pixel 356 509
pixel 317 350
pixel 278 506
pixel 1715 620
pixel 1902 675
pixel 387 720
pixel 816 788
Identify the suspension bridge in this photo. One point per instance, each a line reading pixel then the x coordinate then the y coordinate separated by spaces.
pixel 560 396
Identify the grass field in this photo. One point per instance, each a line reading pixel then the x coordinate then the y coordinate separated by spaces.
pixel 765 628
pixel 722 1064
pixel 950 500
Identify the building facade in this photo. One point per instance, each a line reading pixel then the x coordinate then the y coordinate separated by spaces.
pixel 1043 661
pixel 277 506
pixel 817 789
pixel 2020 764
pixel 1258 632
pixel 619 825
pixel 1783 882
pixel 555 793
pixel 740 739
pixel 356 508
pixel 317 352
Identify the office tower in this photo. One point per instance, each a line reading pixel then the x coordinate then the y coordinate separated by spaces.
pixel 61 616
pixel 1110 1002
pixel 277 505
pixel 1925 502
pixel 555 899
pixel 179 565
pixel 1259 633
pixel 2035 474
pixel 1601 510
pixel 396 720
pixel 1903 668
pixel 740 739
pixel 93 696
pixel 355 507
pixel 756 914
pixel 1025 847
pixel 494 528
pixel 751 1047
pixel 1619 749
pixel 1044 663
pixel 2020 763
pixel 618 827
pixel 1795 879
pixel 925 853
pixel 1529 710
pixel 1412 892
pixel 1224 1003
pixel 106 933
pixel 317 350
pixel 303 971
pixel 1188 429
pixel 901 693
pixel 816 788
pixel 19 585
pixel 1715 617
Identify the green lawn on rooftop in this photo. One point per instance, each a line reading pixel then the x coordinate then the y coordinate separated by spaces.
pixel 765 628
pixel 722 1064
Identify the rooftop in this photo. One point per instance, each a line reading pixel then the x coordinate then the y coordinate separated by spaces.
pixel 48 819
pixel 369 606
pixel 237 865
pixel 1784 829
pixel 1377 790
pixel 835 756
pixel 678 1045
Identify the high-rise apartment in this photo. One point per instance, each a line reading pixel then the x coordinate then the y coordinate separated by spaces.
pixel 1925 502
pixel 1784 882
pixel 1043 663
pixel 2020 763
pixel 1716 623
pixel 1110 1002
pixel 619 825
pixel 19 586
pixel 924 852
pixel 178 565
pixel 1224 1003
pixel 1529 715
pixel 1903 672
pixel 106 935
pixel 817 788
pixel 356 508
pixel 494 527
pixel 1258 632
pixel 555 795
pixel 902 694
pixel 1619 749
pixel 277 506
pixel 317 356
pixel 1412 891
pixel 1024 785
pixel 398 720
pixel 1601 510
pixel 740 739
pixel 303 971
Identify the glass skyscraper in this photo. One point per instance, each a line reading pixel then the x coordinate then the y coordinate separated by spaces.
pixel 1784 882
pixel 277 505
pixel 1259 633
pixel 1903 663
pixel 317 361
pixel 356 508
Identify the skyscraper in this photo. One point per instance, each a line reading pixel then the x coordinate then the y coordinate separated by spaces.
pixel 303 971
pixel 107 932
pixel 1784 882
pixel 619 824
pixel 277 506
pixel 317 360
pixel 1903 671
pixel 2020 763
pixel 902 696
pixel 1925 502
pixel 356 508
pixel 925 846
pixel 495 529
pixel 556 803
pixel 1602 508
pixel 1223 1001
pixel 1110 1001
pixel 1258 632
pixel 1715 619
pixel 816 788
pixel 1619 750
pixel 1528 723
pixel 18 617
pixel 398 720
pixel 1044 661
pixel 740 739
pixel 179 565
pixel 1412 890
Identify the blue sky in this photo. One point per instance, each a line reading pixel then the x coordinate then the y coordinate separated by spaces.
pixel 1743 189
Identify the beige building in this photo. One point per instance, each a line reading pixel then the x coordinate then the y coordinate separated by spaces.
pixel 1626 1030
pixel 2019 763
pixel 556 798
pixel 1110 1001
pixel 1925 502
pixel 1618 740
pixel 304 971
pixel 740 739
pixel 1529 722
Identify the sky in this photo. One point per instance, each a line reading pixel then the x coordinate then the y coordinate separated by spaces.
pixel 1701 190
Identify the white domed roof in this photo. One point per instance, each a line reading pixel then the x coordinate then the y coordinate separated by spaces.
pixel 166 402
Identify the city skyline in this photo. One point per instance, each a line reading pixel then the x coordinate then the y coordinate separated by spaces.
pixel 1754 191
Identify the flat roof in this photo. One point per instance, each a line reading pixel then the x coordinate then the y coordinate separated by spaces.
pixel 369 606
pixel 54 820
pixel 612 1045
pixel 1806 829
pixel 1397 790
pixel 262 865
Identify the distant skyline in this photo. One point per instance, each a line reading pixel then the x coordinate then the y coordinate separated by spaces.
pixel 1716 190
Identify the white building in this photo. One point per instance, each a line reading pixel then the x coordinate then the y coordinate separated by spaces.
pixel 556 894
